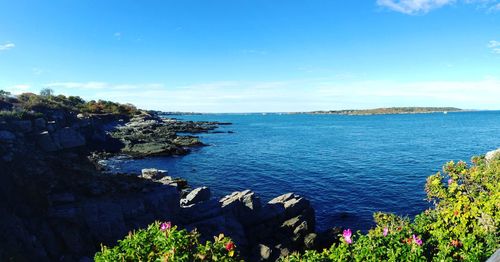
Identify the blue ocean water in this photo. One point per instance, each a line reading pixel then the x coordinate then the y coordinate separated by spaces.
pixel 347 166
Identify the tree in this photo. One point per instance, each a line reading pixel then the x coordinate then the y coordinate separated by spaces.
pixel 47 92
pixel 4 94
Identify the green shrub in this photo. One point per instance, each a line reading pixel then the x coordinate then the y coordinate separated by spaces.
pixel 161 242
pixel 19 114
pixel 463 225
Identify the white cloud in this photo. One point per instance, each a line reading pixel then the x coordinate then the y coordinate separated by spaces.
pixel 118 35
pixel 18 89
pixel 494 46
pixel 299 95
pixel 7 46
pixel 413 7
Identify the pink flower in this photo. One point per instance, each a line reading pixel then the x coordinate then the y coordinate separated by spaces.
pixel 165 226
pixel 229 246
pixel 450 181
pixel 347 236
pixel 417 240
pixel 386 231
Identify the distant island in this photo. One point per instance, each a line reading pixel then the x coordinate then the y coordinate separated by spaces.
pixel 388 110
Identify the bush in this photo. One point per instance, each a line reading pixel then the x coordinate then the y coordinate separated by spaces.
pixel 161 242
pixel 463 225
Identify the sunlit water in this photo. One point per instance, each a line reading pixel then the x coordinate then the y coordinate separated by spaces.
pixel 347 166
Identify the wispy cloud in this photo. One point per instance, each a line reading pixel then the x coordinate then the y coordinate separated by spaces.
pixel 94 85
pixel 297 95
pixel 412 7
pixel 7 46
pixel 494 46
pixel 18 89
pixel 118 35
pixel 415 7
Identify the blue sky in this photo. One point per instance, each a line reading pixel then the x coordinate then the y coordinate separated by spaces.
pixel 256 56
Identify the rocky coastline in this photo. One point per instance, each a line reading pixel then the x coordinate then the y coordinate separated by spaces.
pixel 59 203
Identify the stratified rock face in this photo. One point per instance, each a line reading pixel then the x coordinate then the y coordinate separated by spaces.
pixel 492 155
pixel 262 232
pixel 68 138
pixel 197 195
pixel 153 173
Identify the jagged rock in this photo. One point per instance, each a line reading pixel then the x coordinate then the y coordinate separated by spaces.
pixel 197 195
pixel 153 173
pixel 6 136
pixel 62 198
pixel 40 123
pixel 262 253
pixel 293 204
pixel 310 241
pixel 201 211
pixel 22 126
pixel 494 154
pixel 244 205
pixel 45 141
pixel 68 138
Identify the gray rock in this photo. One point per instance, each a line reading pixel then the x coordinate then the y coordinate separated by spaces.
pixel 244 205
pixel 68 138
pixel 310 241
pixel 197 195
pixel 262 253
pixel 45 141
pixel 293 204
pixel 23 126
pixel 490 156
pixel 152 173
pixel 40 123
pixel 6 136
pixel 62 198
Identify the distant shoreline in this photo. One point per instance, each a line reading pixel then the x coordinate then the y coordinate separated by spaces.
pixel 363 112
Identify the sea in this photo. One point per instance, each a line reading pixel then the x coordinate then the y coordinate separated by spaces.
pixel 347 166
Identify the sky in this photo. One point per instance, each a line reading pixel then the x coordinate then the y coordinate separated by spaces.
pixel 256 55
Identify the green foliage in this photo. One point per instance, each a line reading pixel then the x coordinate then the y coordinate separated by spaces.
pixel 30 101
pixel 19 114
pixel 103 106
pixel 463 226
pixel 47 92
pixel 168 244
pixel 4 94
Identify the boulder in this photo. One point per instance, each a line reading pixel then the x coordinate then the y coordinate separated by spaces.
pixel 490 156
pixel 40 123
pixel 244 205
pixel 6 136
pixel 261 253
pixel 68 138
pixel 197 195
pixel 153 173
pixel 22 126
pixel 45 141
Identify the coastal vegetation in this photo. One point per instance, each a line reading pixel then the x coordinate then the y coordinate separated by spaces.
pixel 462 226
pixel 24 105
pixel 389 110
pixel 164 242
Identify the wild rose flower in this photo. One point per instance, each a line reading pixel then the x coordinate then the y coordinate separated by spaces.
pixel 165 226
pixel 386 231
pixel 229 246
pixel 347 236
pixel 417 240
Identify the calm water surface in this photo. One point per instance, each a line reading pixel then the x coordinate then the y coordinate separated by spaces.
pixel 347 166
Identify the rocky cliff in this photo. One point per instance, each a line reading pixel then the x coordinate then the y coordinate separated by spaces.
pixel 57 204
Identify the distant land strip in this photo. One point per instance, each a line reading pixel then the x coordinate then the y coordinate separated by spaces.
pixel 388 110
pixel 374 111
